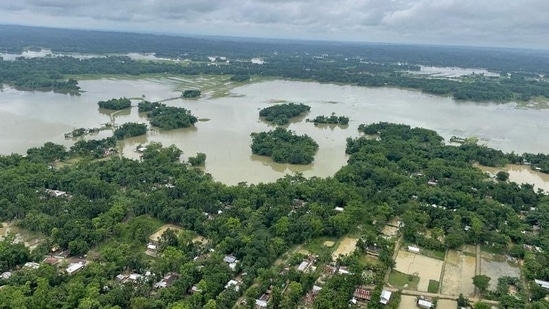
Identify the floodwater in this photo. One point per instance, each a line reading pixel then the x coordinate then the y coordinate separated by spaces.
pixel 521 174
pixel 28 119
pixel 497 266
pixel 29 239
pixel 459 270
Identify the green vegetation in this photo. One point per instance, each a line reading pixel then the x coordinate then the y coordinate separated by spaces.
pixel 113 205
pixel 481 282
pixel 280 114
pixel 401 280
pixel 191 93
pixel 115 104
pixel 198 160
pixel 333 119
pixel 130 129
pixel 240 78
pixel 146 106
pixel 284 146
pixel 169 117
pixel 433 286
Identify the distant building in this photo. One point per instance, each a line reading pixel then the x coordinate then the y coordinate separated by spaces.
pixel 233 283
pixel 6 275
pixel 229 259
pixel 362 293
pixel 424 303
pixel 339 209
pixel 74 267
pixel 263 301
pixel 413 249
pixel 543 284
pixel 31 265
pixel 167 280
pixel 311 296
pixel 385 297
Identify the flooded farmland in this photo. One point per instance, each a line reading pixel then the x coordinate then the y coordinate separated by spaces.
pixel 29 119
pixel 459 269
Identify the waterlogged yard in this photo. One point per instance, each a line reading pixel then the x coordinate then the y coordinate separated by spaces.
pixel 496 266
pixel 459 268
pixel 426 268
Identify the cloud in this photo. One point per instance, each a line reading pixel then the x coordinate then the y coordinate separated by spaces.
pixel 492 22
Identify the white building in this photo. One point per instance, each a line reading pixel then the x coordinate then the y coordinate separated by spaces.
pixel 385 297
pixel 74 267
pixel 413 249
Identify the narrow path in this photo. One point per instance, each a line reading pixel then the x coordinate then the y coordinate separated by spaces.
pixel 395 254
pixel 477 268
pixel 437 295
pixel 442 271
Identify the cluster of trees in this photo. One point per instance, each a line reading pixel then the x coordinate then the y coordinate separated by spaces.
pixel 116 204
pixel 146 106
pixel 240 78
pixel 115 104
pixel 191 93
pixel 280 114
pixel 284 146
pixel 169 117
pixel 198 160
pixel 130 129
pixel 332 119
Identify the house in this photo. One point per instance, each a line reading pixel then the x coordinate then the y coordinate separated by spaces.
pixel 329 270
pixel 543 284
pixel 338 209
pixel 311 296
pixel 195 289
pixel 343 270
pixel 167 280
pixel 31 265
pixel 413 249
pixel 232 261
pixel 424 303
pixel 303 266
pixel 51 260
pixel 56 193
pixel 263 301
pixel 229 259
pixel 74 267
pixel 129 278
pixel 362 293
pixel 233 283
pixel 5 275
pixel 385 297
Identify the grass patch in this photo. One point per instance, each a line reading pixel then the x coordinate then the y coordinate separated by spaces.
pixel 433 286
pixel 439 255
pixel 368 260
pixel 402 280
pixel 317 245
pixel 469 254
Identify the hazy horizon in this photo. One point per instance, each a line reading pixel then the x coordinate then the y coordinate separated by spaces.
pixel 492 23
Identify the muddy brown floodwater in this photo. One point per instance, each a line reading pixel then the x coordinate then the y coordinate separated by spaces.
pixel 521 174
pixel 28 119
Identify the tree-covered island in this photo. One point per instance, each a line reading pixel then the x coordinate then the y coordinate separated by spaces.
pixel 191 93
pixel 284 146
pixel 168 117
pixel 130 129
pixel 280 114
pixel 115 104
pixel 332 119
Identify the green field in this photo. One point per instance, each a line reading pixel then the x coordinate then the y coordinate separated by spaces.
pixel 433 286
pixel 401 280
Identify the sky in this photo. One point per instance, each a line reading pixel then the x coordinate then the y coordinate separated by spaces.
pixel 501 23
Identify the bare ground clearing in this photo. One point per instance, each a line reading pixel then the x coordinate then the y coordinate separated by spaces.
pixel 346 246
pixel 425 268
